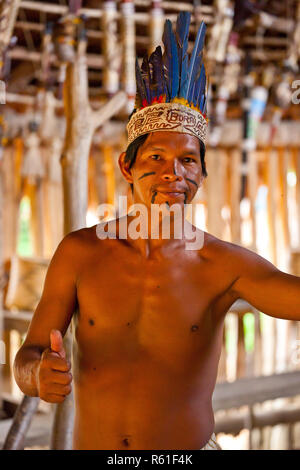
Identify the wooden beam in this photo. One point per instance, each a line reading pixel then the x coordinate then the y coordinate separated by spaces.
pixel 17 321
pixel 234 423
pixel 255 390
pixel 21 53
pixel 139 17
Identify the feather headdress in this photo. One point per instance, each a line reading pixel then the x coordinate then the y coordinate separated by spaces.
pixel 171 87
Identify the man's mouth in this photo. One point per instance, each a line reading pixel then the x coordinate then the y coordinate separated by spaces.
pixel 171 193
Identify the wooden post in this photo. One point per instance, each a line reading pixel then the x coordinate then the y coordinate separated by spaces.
pixel 111 48
pixel 128 41
pixel 156 25
pixel 82 122
pixel 235 191
pixel 216 163
pixel 252 193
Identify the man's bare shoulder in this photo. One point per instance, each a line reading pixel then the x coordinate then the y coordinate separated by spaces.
pixel 214 246
pixel 231 253
pixel 75 244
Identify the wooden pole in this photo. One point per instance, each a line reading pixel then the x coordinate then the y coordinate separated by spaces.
pixel 128 38
pixel 21 422
pixel 156 25
pixel 111 48
pixel 235 190
pixel 252 193
pixel 82 122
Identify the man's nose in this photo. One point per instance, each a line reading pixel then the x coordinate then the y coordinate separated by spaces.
pixel 171 173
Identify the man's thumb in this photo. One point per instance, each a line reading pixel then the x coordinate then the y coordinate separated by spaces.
pixel 56 343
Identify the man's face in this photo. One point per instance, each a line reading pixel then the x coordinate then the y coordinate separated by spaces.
pixel 167 169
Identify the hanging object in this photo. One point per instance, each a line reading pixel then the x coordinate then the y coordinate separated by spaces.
pixel 33 166
pixel 228 86
pixel 156 25
pixel 111 48
pixel 128 41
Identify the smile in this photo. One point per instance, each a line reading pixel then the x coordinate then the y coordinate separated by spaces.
pixel 171 193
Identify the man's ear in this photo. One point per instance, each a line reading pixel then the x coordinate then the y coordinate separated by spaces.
pixel 124 167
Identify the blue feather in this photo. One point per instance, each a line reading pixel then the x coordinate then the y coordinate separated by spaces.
pixel 196 60
pixel 156 66
pixel 146 77
pixel 140 85
pixel 200 83
pixel 182 33
pixel 170 60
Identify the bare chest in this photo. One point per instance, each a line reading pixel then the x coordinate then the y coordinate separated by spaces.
pixel 129 306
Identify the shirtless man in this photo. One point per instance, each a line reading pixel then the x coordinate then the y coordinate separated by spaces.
pixel 148 332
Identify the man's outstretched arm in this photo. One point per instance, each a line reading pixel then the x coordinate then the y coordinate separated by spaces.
pixel 264 286
pixel 40 362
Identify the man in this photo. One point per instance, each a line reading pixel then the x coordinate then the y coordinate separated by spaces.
pixel 148 332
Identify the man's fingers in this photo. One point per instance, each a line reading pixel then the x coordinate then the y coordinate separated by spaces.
pixel 63 378
pixel 53 398
pixel 56 343
pixel 52 360
pixel 59 389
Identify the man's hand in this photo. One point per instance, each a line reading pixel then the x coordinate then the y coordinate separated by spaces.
pixel 53 377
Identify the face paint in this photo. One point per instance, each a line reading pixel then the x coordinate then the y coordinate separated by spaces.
pixel 192 181
pixel 153 197
pixel 147 174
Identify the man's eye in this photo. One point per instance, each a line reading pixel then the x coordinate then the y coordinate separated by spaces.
pixel 155 157
pixel 188 159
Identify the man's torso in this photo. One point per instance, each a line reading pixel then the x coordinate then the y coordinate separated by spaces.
pixel 148 336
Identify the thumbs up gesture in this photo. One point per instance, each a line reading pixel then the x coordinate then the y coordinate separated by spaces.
pixel 56 343
pixel 53 374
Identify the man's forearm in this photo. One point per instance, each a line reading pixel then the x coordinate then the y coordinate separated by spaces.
pixel 26 365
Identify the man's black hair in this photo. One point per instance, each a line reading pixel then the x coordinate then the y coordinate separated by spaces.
pixel 132 150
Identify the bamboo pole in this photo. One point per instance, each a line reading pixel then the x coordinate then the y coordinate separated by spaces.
pixel 216 162
pixel 156 25
pixel 283 199
pixel 128 38
pixel 252 193
pixel 11 201
pixel 297 165
pixel 111 48
pixel 21 422
pixel 235 191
